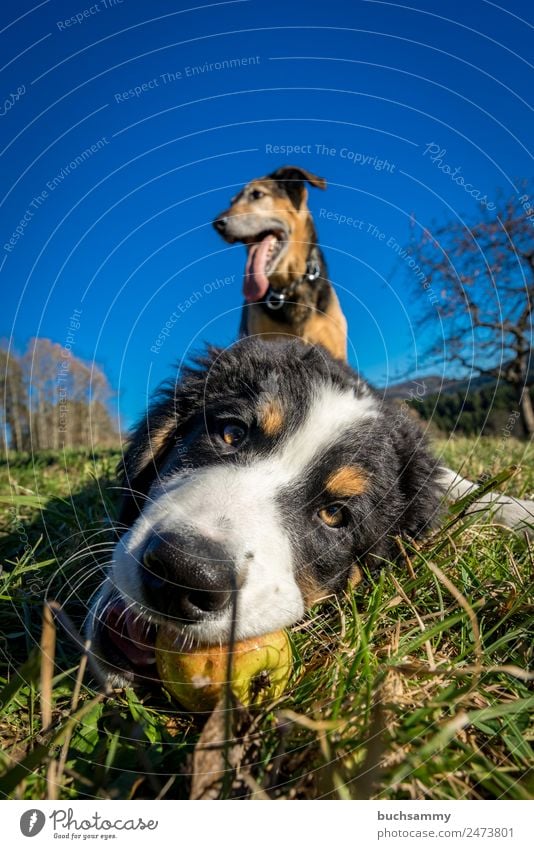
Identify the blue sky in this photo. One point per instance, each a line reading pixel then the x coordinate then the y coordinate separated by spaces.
pixel 124 235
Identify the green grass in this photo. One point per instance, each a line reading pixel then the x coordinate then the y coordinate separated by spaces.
pixel 414 687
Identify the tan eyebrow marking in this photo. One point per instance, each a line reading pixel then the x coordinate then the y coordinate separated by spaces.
pixel 346 481
pixel 271 418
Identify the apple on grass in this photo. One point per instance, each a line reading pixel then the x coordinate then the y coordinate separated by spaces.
pixel 261 667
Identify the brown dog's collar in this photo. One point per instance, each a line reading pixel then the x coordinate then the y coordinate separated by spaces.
pixel 276 299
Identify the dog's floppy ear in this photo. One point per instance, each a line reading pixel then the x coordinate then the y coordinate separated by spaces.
pixel 292 178
pixel 159 432
pixel 417 476
pixel 140 465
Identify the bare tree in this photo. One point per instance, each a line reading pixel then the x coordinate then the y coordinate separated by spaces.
pixel 52 399
pixel 100 394
pixel 40 369
pixel 14 401
pixel 78 423
pixel 485 274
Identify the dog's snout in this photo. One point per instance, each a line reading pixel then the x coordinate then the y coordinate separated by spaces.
pixel 221 223
pixel 187 577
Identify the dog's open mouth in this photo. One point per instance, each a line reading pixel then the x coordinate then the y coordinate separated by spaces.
pixel 127 639
pixel 264 254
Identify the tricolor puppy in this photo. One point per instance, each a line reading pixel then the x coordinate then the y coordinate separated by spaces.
pixel 285 285
pixel 262 481
pixel 269 475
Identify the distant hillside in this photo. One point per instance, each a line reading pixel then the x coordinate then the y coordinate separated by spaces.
pixel 490 410
pixel 480 405
pixel 433 384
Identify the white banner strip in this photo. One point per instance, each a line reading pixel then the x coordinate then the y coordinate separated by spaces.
pixel 312 824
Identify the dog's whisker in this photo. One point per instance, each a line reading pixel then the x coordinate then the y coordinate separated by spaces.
pixel 143 496
pixel 88 533
pixel 83 576
pixel 86 553
pixel 74 589
pixel 75 592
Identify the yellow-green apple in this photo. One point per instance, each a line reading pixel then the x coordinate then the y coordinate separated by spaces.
pixel 260 669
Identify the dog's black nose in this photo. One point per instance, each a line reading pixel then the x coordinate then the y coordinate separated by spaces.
pixel 187 577
pixel 220 223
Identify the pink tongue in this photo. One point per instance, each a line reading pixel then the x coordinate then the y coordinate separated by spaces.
pixel 255 282
pixel 131 635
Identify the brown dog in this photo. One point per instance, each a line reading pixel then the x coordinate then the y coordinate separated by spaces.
pixel 286 287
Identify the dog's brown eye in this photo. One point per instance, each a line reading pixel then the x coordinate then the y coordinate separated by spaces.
pixel 334 515
pixel 256 194
pixel 233 434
